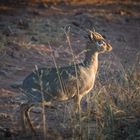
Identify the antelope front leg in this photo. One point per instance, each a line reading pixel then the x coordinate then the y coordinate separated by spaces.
pixel 77 101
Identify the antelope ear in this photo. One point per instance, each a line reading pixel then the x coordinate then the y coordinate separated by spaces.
pixel 91 36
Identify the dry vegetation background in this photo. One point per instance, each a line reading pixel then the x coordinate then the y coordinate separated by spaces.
pixel 64 1
pixel 112 110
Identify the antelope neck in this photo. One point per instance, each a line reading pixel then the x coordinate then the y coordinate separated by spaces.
pixel 91 61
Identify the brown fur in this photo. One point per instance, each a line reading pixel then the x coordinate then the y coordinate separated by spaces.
pixel 74 81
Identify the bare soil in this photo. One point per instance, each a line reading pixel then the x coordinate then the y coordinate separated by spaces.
pixel 25 34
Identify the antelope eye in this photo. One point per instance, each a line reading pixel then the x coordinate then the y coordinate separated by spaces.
pixel 100 43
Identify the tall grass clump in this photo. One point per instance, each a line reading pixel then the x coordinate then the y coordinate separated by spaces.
pixel 114 109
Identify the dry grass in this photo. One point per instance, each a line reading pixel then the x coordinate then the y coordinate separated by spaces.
pixel 116 109
pixel 112 110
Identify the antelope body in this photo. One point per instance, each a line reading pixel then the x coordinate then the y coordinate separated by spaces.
pixel 75 81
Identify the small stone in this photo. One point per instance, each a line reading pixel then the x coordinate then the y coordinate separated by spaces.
pixel 34 38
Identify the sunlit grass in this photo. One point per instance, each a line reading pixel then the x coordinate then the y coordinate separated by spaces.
pixel 115 110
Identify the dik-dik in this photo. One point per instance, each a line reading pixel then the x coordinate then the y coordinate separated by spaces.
pixel 75 81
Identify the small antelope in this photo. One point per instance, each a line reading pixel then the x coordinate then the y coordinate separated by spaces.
pixel 75 81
